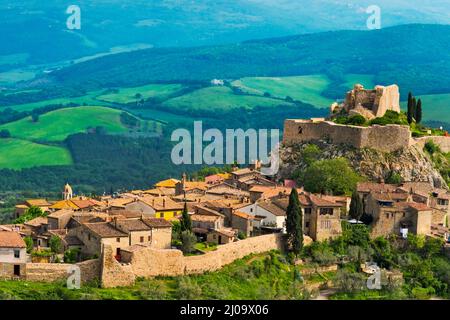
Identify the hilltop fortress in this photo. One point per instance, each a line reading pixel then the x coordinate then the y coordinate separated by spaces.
pixel 370 104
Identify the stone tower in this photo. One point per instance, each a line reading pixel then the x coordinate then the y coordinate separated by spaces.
pixel 68 192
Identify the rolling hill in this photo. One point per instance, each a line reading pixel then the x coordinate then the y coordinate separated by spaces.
pixel 417 57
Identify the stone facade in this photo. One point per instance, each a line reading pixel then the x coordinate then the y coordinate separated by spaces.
pixel 384 138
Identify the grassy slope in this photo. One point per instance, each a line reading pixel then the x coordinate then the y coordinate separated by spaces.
pixel 127 95
pixel 219 98
pixel 18 154
pixel 88 99
pixel 304 88
pixel 57 125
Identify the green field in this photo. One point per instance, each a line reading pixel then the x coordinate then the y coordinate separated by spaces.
pixel 57 125
pixel 221 99
pixel 436 107
pixel 18 154
pixel 127 95
pixel 88 99
pixel 15 76
pixel 304 88
pixel 365 79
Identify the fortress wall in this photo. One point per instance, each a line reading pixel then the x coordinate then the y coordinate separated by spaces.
pixel 384 138
pixel 442 142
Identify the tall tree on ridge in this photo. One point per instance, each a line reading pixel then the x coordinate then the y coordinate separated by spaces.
pixel 410 109
pixel 294 223
pixel 186 222
pixel 419 111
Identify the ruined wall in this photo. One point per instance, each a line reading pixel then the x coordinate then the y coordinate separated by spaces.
pixel 149 262
pixel 49 272
pixel 384 138
pixel 441 141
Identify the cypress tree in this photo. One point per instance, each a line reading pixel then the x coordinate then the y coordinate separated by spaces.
pixel 409 112
pixel 419 111
pixel 356 206
pixel 413 108
pixel 294 223
pixel 186 222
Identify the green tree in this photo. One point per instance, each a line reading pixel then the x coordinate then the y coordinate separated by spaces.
pixel 414 108
pixel 188 241
pixel 356 206
pixel 5 134
pixel 419 111
pixel 294 224
pixel 186 222
pixel 410 108
pixel 30 214
pixel 330 176
pixel 29 243
pixel 55 244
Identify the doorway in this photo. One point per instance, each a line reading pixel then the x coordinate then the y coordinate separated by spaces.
pixel 17 270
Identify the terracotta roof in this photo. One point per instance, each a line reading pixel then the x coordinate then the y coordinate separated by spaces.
pixel 226 232
pixel 105 230
pixel 272 208
pixel 157 223
pixel 38 202
pixel 204 218
pixel 131 225
pixel 419 206
pixel 119 202
pixel 126 213
pixel 72 241
pixel 37 221
pixel 373 186
pixel 243 171
pixel 83 203
pixel 161 191
pixel 169 183
pixel 190 185
pixel 60 213
pixel 64 204
pixel 243 215
pixel 390 196
pixel 321 202
pixel 10 239
pixel 161 203
pixel 200 230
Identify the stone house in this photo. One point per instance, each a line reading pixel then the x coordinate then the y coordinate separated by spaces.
pixel 59 219
pixel 157 207
pixel 273 215
pixel 161 232
pixel 96 235
pixel 13 255
pixel 242 222
pixel 221 236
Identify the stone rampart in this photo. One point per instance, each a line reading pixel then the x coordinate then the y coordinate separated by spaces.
pixel 384 138
pixel 442 141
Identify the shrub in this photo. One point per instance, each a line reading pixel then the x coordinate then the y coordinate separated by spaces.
pixel 188 289
pixel 188 241
pixel 431 147
pixel 356 120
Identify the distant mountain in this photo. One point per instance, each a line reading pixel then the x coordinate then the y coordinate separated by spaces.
pixel 417 57
pixel 37 30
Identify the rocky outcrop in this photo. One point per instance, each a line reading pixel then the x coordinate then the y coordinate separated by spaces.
pixel 410 162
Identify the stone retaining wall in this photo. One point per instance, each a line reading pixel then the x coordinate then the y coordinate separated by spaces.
pixel 148 262
pixel 50 272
